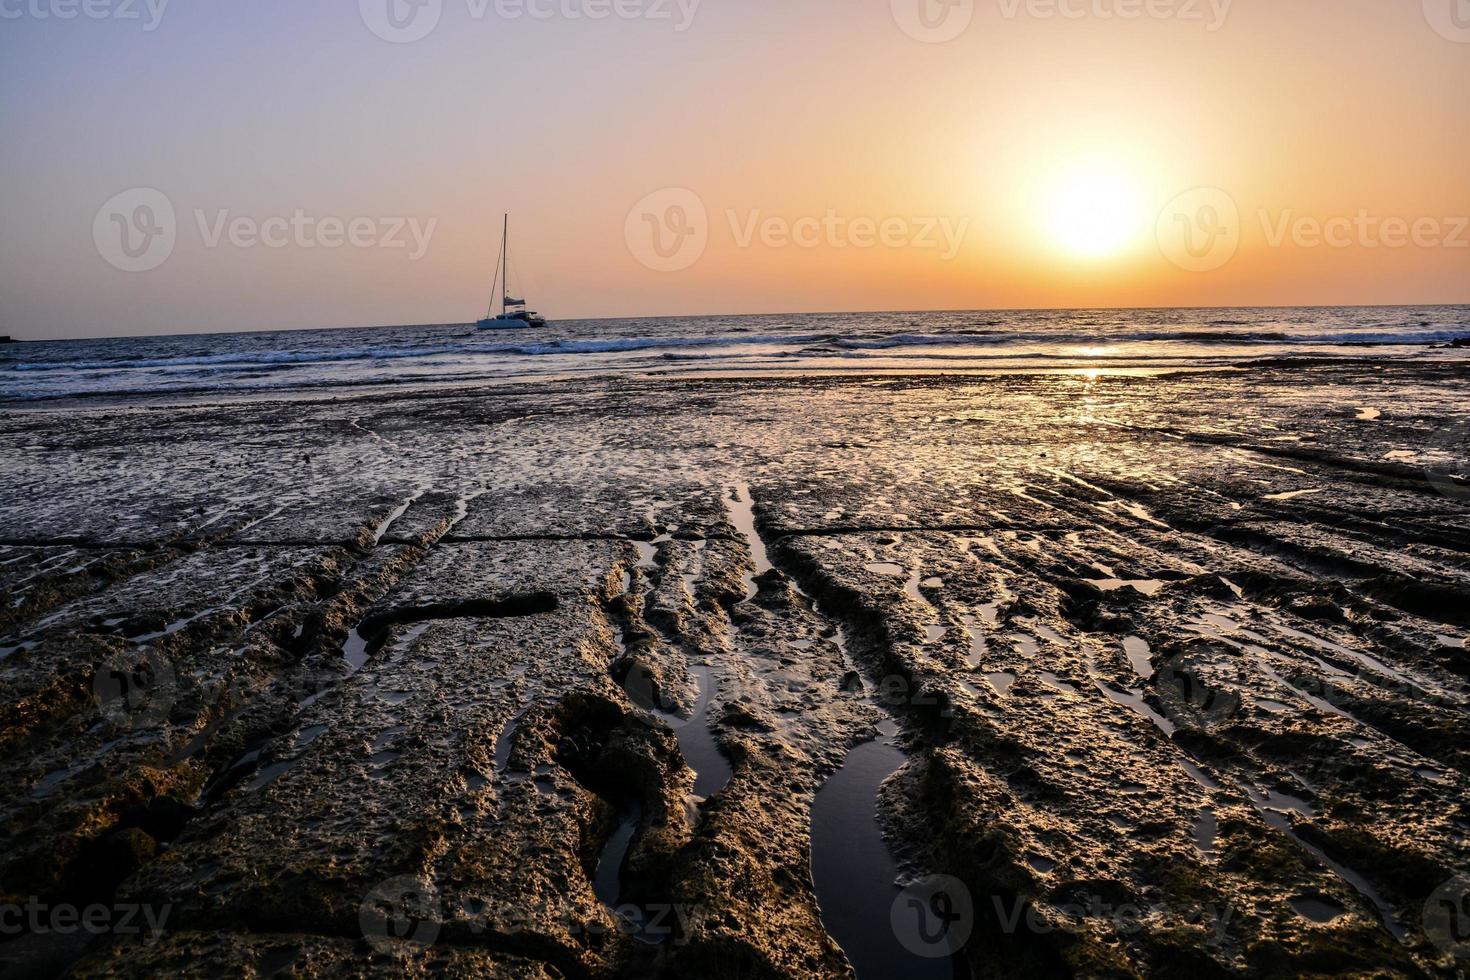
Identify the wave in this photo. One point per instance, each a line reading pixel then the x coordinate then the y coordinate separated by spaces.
pixel 381 356
pixel 264 358
pixel 624 344
pixel 267 359
pixel 1334 339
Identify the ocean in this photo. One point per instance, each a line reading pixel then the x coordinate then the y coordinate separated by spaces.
pixel 1125 341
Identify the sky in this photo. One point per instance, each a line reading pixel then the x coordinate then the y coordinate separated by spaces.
pixel 180 166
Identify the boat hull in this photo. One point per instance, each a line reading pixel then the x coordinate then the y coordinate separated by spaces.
pixel 508 323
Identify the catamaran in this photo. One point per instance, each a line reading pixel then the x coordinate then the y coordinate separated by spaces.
pixel 513 314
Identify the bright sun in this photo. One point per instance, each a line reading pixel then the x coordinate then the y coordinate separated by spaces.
pixel 1094 213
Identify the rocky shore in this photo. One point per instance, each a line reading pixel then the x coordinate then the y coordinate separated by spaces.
pixel 1056 675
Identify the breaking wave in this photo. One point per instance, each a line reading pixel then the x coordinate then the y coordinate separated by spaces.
pixel 458 353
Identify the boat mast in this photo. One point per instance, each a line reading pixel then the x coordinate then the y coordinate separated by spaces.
pixel 504 260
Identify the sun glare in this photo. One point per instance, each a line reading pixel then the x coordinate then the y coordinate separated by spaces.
pixel 1095 213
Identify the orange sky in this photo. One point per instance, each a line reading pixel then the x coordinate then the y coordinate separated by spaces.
pixel 1056 142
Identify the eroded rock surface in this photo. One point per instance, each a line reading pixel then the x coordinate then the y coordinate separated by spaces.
pixel 547 682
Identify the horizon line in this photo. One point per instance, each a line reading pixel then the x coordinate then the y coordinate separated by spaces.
pixel 690 316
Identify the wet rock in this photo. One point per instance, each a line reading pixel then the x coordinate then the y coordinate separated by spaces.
pixel 1317 607
pixel 1178 677
pixel 305 956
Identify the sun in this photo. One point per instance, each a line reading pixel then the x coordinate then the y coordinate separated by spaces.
pixel 1095 212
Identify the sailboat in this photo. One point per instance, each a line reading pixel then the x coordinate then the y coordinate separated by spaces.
pixel 513 314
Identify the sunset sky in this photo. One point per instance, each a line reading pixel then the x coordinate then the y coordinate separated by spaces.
pixel 1059 144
